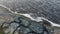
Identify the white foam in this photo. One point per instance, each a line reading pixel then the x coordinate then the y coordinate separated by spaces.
pixel 53 24
pixel 26 15
pixel 38 19
pixel 29 16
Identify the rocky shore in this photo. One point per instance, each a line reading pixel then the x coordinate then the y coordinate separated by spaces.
pixel 11 23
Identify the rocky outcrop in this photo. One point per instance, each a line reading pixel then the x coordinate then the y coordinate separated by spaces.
pixel 18 24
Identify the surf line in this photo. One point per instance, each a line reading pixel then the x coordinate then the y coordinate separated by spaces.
pixel 38 19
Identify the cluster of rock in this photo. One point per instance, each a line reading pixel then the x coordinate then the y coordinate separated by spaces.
pixel 23 25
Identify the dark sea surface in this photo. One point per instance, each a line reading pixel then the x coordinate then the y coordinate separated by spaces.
pixel 49 9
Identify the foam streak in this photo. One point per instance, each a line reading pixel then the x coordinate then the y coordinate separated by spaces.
pixel 29 16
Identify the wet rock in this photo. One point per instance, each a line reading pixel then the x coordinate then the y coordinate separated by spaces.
pixel 36 27
pixel 24 30
pixel 45 32
pixel 25 26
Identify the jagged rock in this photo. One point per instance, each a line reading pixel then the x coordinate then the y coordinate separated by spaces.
pixel 36 27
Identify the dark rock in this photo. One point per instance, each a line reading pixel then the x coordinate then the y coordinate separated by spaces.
pixel 36 27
